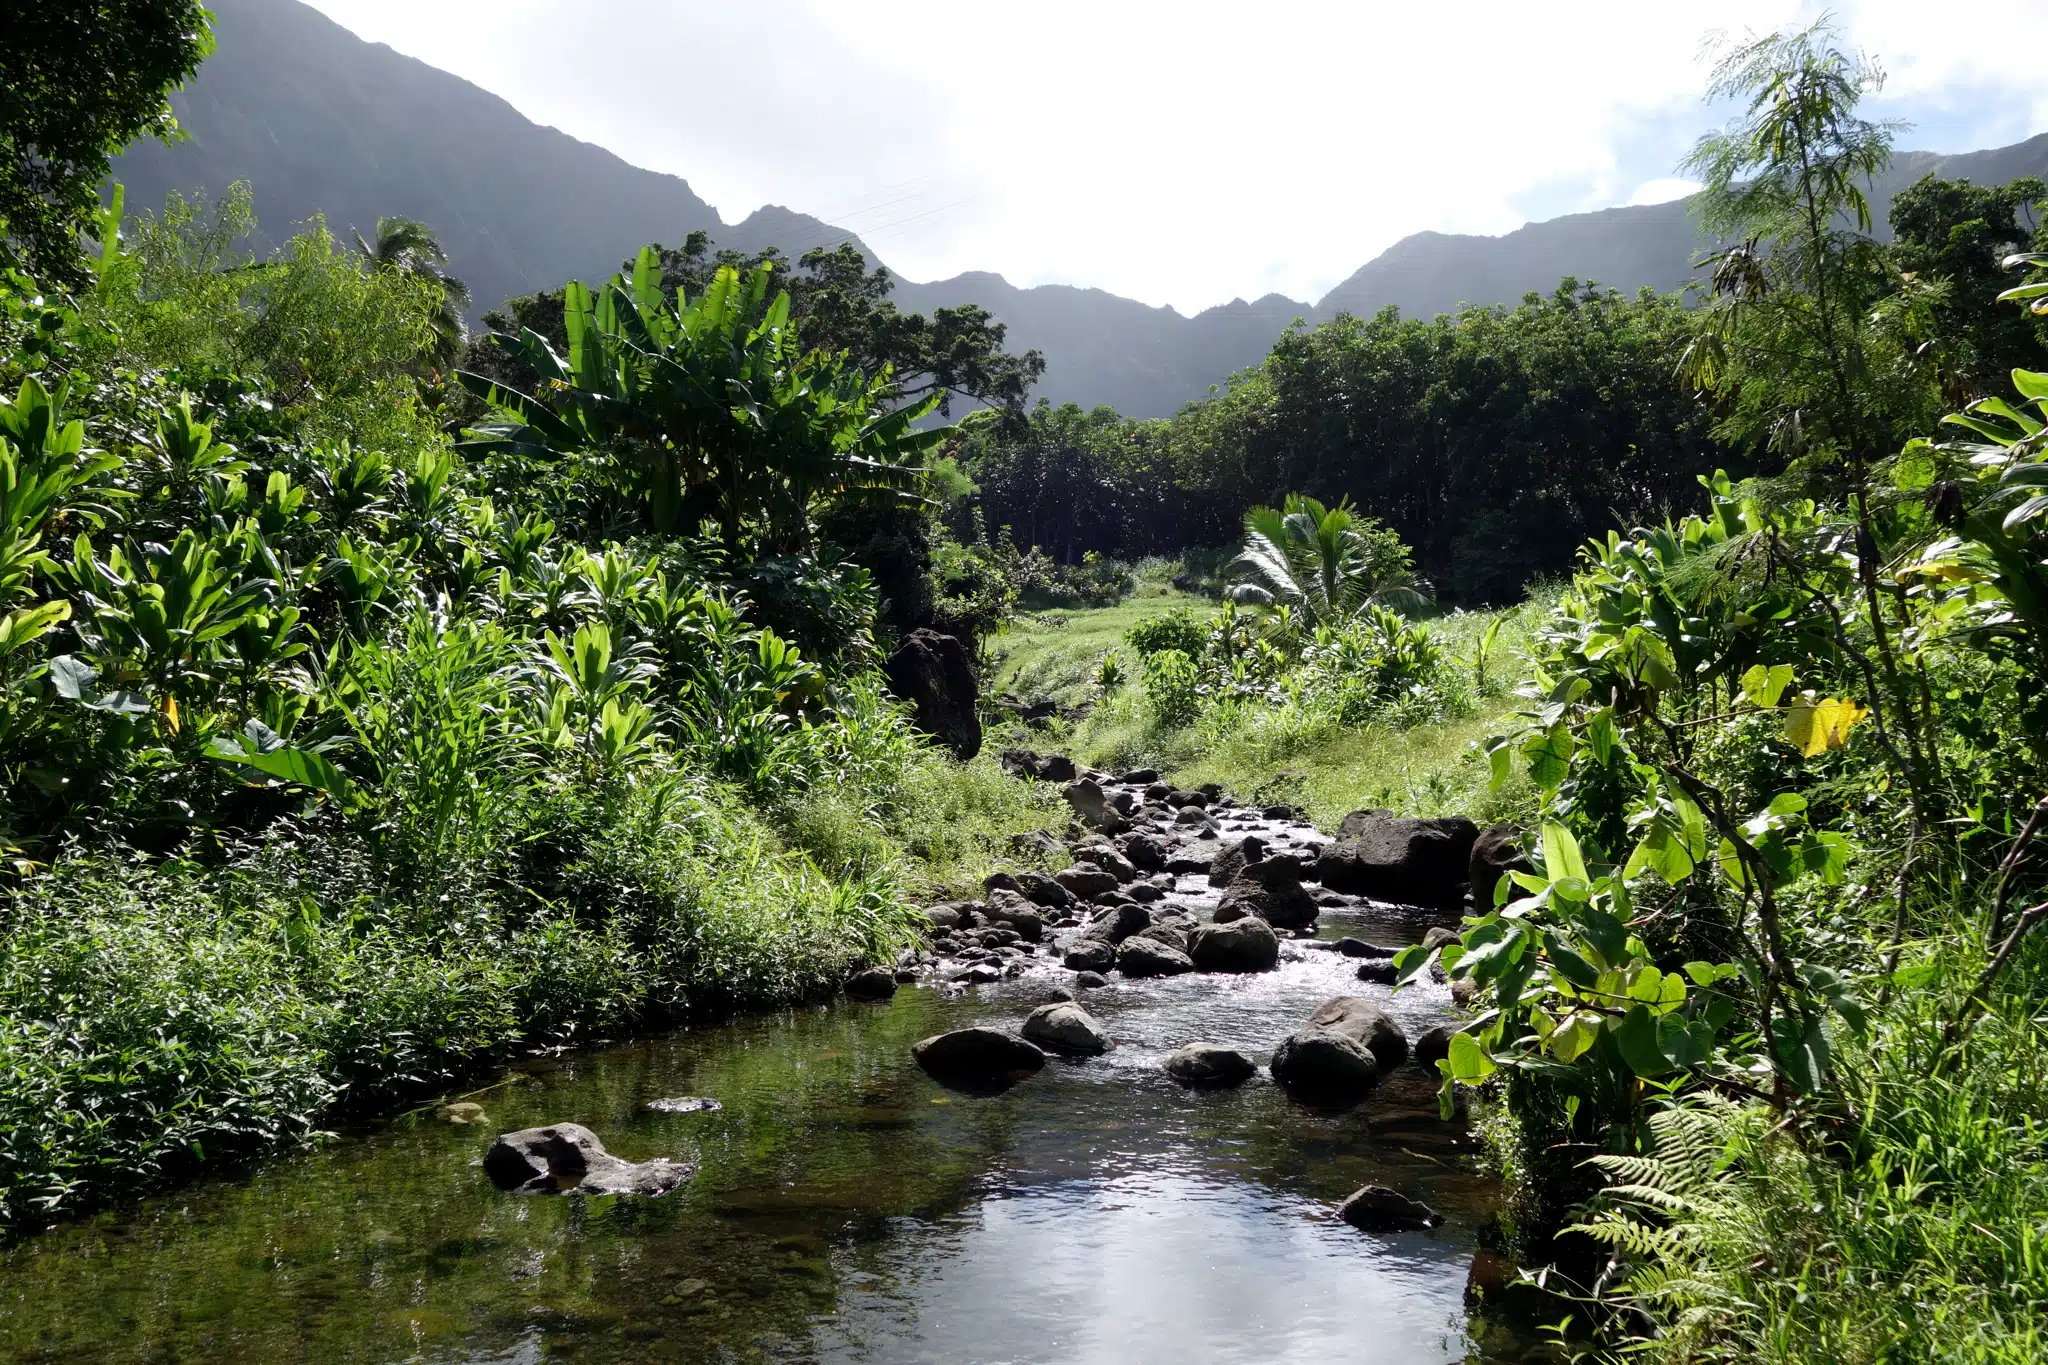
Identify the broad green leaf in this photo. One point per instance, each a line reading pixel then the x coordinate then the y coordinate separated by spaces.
pixel 1570 965
pixel 1636 1037
pixel 1702 973
pixel 2030 383
pixel 1607 935
pixel 1571 1039
pixel 1550 756
pixel 1561 856
pixel 1763 685
pixel 1671 994
pixel 1468 1061
pixel 1409 964
pixel 301 767
pixel 1646 985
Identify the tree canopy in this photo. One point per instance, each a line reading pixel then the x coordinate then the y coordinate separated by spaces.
pixel 78 81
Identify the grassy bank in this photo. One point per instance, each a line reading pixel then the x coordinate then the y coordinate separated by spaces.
pixel 1305 755
pixel 155 1016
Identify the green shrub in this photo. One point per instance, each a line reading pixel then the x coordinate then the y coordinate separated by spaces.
pixel 1173 685
pixel 1176 630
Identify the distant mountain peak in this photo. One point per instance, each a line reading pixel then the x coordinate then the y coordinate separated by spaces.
pixel 319 120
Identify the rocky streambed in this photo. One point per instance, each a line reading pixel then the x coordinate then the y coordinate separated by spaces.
pixel 1133 1186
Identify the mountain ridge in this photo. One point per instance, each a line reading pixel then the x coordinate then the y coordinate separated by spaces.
pixel 317 119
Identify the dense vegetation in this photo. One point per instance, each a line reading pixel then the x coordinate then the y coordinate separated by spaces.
pixel 365 717
pixel 1762 1016
pixel 340 750
pixel 1497 440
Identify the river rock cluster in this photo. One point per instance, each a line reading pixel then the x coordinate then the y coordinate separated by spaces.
pixel 1141 849
pixel 1136 840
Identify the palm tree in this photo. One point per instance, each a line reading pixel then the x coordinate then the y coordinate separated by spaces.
pixel 408 245
pixel 1324 563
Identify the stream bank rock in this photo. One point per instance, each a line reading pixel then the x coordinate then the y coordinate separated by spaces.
pixel 876 983
pixel 1375 1208
pixel 567 1158
pixel 1066 1027
pixel 1210 1065
pixel 1141 956
pixel 1270 889
pixel 1341 1051
pixel 1495 853
pixel 1233 860
pixel 977 1057
pixel 1036 767
pixel 933 673
pixel 1400 859
pixel 1246 945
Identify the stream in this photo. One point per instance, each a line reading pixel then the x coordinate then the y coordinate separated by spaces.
pixel 848 1207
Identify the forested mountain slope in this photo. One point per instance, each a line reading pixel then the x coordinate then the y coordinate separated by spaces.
pixel 319 120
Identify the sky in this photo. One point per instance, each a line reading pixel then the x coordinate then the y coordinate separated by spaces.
pixel 1183 153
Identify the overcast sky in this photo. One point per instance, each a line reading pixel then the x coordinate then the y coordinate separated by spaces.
pixel 1181 153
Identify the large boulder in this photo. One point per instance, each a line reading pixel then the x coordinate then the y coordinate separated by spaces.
pixel 1145 852
pixel 1367 1024
pixel 876 983
pixel 1104 855
pixel 1118 923
pixel 1042 890
pixel 1234 858
pixel 1141 957
pixel 1086 954
pixel 1091 807
pixel 1207 1065
pixel 934 674
pixel 567 1158
pixel 1066 1027
pixel 1395 858
pixel 1318 1062
pixel 1084 880
pixel 977 1056
pixel 1495 853
pixel 1270 889
pixel 1375 1208
pixel 1013 911
pixel 1341 1051
pixel 1247 945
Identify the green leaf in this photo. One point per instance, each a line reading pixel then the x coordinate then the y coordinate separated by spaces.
pixel 1636 1037
pixel 2030 383
pixel 1561 856
pixel 300 767
pixel 1702 973
pixel 1409 963
pixel 1764 685
pixel 1570 965
pixel 1802 1054
pixel 1550 756
pixel 1468 1061
pixel 1608 936
pixel 1571 1039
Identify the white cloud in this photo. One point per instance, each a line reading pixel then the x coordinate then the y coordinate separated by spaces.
pixel 1179 153
pixel 1664 189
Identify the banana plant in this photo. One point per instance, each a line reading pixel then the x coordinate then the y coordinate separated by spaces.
pixel 705 406
pixel 1997 505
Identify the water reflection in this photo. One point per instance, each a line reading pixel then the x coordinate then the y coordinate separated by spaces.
pixel 848 1209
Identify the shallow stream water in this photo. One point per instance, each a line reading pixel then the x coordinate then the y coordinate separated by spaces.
pixel 848 1208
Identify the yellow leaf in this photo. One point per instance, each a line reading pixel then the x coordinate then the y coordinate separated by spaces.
pixel 171 713
pixel 1816 726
